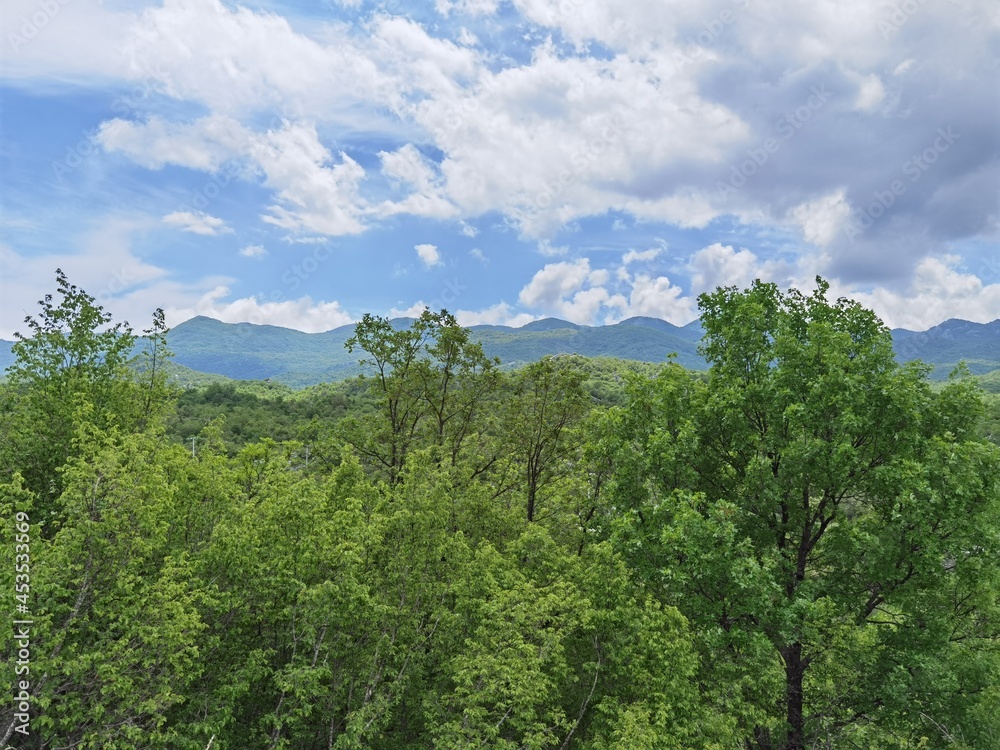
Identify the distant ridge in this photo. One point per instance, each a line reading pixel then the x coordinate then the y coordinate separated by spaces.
pixel 245 351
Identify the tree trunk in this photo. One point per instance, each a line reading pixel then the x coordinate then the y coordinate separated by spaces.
pixel 795 669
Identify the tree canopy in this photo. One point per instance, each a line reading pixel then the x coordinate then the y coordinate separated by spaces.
pixel 797 550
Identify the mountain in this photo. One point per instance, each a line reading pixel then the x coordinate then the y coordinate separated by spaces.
pixel 244 351
pixel 6 356
pixel 948 343
pixel 254 352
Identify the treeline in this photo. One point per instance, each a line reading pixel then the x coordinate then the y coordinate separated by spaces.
pixel 797 550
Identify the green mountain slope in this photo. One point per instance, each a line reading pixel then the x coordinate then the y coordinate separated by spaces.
pixel 244 351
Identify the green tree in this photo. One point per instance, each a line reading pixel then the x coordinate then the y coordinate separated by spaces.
pixel 827 523
pixel 70 357
pixel 115 611
pixel 546 401
pixel 432 384
pixel 155 393
pixel 73 361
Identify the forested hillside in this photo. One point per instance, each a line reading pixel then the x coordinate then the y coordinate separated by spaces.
pixel 207 349
pixel 795 549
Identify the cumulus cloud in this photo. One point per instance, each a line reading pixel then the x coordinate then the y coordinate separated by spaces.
pixel 408 167
pixel 721 265
pixel 253 251
pixel 204 144
pixel 428 255
pixel 938 290
pixel 500 314
pixel 549 286
pixel 659 298
pixel 823 219
pixel 643 256
pixel 314 193
pixel 574 291
pixel 301 314
pixel 413 311
pixel 870 94
pixel 197 222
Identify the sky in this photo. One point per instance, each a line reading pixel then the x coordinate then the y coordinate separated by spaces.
pixel 302 163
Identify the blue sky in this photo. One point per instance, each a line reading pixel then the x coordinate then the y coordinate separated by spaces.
pixel 300 164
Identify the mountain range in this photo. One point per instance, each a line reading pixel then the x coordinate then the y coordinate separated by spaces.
pixel 245 351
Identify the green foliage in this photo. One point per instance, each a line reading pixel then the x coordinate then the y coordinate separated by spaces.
pixel 73 360
pixel 545 402
pixel 431 384
pixel 447 555
pixel 816 511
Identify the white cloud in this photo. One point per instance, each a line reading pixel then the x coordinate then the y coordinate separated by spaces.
pixel 659 298
pixel 469 7
pixel 102 262
pixel 870 93
pixel 314 194
pixel 79 41
pixel 253 251
pixel 599 277
pixel 413 311
pixel 428 255
pixel 478 255
pixel 301 314
pixel 938 290
pixel 554 282
pixel 823 219
pixel 549 250
pixel 584 306
pixel 203 144
pixel 197 223
pixel 407 166
pixel 238 61
pixel 720 265
pixel 644 256
pixel 500 314
pixel 904 66
pixel 467 39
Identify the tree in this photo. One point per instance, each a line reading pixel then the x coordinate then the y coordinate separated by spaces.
pixel 70 357
pixel 432 383
pixel 151 371
pixel 115 612
pixel 827 523
pixel 546 402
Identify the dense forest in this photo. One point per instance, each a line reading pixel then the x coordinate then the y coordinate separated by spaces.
pixel 797 549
